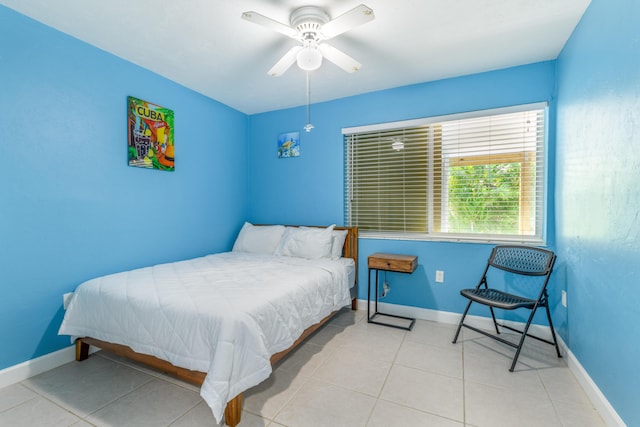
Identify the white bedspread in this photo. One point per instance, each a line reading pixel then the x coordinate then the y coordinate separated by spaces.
pixel 222 314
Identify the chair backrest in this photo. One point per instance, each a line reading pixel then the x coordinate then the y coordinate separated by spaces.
pixel 526 260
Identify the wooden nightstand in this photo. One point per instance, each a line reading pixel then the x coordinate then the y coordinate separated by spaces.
pixel 388 262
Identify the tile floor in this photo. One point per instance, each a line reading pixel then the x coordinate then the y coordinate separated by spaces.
pixel 349 373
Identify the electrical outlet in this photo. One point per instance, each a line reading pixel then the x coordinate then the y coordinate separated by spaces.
pixel 564 299
pixel 439 276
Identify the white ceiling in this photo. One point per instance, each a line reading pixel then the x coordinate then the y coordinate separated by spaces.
pixel 205 46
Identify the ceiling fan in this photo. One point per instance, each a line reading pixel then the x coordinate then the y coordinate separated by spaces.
pixel 311 25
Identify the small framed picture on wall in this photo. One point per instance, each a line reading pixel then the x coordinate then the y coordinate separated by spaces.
pixel 288 145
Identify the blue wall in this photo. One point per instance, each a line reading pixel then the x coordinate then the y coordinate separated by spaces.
pixel 309 188
pixel 598 197
pixel 70 207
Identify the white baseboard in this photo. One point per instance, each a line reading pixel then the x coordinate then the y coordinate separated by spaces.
pixel 31 368
pixel 598 399
pixel 22 371
pixel 449 317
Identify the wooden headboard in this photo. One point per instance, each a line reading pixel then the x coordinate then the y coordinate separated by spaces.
pixel 350 249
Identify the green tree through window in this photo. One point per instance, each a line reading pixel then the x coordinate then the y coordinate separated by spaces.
pixel 484 198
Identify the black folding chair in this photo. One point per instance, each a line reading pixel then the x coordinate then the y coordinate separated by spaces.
pixel 523 261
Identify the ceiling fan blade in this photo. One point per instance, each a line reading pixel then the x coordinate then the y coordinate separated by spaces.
pixel 351 19
pixel 339 58
pixel 259 19
pixel 285 62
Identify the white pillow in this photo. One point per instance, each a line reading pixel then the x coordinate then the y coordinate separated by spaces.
pixel 304 242
pixel 263 239
pixel 337 242
pixel 285 237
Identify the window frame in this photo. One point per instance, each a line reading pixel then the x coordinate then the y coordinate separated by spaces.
pixel 435 212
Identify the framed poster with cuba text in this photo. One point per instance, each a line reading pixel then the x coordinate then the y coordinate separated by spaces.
pixel 151 144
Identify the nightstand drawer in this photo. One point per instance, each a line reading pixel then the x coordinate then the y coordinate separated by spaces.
pixel 393 262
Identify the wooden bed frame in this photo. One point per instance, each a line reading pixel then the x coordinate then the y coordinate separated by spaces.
pixel 233 411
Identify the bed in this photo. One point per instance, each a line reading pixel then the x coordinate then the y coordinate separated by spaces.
pixel 221 321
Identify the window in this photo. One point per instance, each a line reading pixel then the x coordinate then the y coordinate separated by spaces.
pixel 473 176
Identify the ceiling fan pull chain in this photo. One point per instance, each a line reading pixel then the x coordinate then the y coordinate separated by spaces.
pixel 308 126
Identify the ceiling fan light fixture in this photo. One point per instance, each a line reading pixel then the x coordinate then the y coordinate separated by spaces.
pixel 311 26
pixel 309 58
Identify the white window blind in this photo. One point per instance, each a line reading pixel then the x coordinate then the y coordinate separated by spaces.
pixel 473 176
